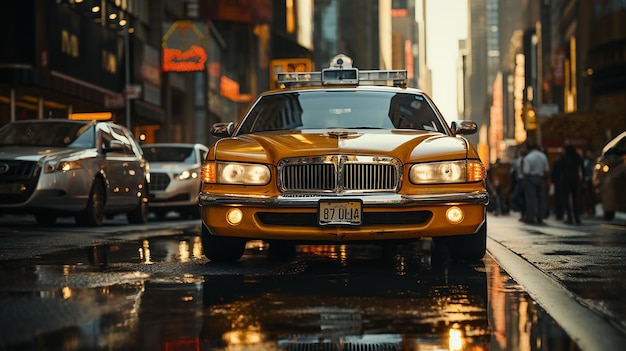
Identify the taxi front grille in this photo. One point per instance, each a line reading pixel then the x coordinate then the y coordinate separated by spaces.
pixel 339 173
pixel 159 181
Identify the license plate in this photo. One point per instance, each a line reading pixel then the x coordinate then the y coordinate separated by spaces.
pixel 340 212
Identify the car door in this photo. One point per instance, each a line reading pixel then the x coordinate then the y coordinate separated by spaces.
pixel 122 167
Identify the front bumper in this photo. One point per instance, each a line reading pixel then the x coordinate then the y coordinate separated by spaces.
pixel 386 216
pixel 55 192
pixel 177 194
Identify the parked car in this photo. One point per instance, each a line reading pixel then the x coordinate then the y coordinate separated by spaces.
pixel 340 157
pixel 81 167
pixel 609 178
pixel 175 177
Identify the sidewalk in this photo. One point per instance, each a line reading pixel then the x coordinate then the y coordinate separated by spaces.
pixel 619 217
pixel 586 259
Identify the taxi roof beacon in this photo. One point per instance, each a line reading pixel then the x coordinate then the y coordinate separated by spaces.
pixel 341 72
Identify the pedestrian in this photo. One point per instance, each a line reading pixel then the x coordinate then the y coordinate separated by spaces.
pixel 588 197
pixel 572 172
pixel 517 177
pixel 494 187
pixel 535 169
pixel 557 184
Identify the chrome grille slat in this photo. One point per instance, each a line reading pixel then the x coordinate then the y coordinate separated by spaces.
pixel 339 173
pixel 159 181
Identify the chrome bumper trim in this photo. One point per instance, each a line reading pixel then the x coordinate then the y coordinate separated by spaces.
pixel 477 197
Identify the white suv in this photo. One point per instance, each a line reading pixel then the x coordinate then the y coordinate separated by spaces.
pixel 175 177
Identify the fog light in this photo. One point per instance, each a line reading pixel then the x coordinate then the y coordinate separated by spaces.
pixel 455 215
pixel 234 216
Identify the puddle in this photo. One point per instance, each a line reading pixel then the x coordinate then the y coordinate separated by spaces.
pixel 162 294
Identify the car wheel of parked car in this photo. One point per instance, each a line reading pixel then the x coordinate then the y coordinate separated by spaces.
pixel 221 249
pixel 45 218
pixel 140 214
pixel 466 247
pixel 93 214
pixel 609 215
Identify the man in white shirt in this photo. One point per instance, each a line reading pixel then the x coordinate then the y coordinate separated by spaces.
pixel 535 169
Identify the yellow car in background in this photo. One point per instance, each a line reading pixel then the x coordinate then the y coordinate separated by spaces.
pixel 342 156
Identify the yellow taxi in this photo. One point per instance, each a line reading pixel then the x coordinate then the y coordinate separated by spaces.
pixel 342 156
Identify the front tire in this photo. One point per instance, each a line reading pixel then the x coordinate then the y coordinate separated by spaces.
pixel 221 249
pixel 466 247
pixel 140 214
pixel 93 214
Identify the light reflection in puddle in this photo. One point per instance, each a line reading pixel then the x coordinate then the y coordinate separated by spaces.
pixel 336 298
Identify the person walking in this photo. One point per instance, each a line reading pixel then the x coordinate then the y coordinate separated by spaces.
pixel 517 177
pixel 589 201
pixel 572 170
pixel 557 183
pixel 535 169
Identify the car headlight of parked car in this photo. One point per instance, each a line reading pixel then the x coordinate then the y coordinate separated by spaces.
pixel 187 174
pixel 447 172
pixel 52 166
pixel 235 173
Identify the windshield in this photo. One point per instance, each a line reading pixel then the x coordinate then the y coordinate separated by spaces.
pixel 342 109
pixel 169 154
pixel 49 134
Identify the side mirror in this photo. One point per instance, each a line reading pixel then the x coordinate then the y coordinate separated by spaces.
pixel 114 146
pixel 223 129
pixel 463 127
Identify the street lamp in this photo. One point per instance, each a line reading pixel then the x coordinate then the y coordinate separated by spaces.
pixel 127 73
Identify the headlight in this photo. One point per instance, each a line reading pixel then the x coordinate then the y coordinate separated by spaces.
pixel 447 172
pixel 61 166
pixel 187 174
pixel 235 173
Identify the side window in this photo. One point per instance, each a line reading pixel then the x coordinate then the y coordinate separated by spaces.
pixel 104 136
pixel 118 134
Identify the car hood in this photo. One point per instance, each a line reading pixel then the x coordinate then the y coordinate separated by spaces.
pixel 32 153
pixel 411 146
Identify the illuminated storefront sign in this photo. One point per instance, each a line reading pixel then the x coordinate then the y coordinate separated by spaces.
pixel 185 47
pixel 518 95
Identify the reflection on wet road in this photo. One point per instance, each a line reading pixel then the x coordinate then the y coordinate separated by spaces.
pixel 163 294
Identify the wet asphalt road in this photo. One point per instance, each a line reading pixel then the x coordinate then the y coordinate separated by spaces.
pixel 151 288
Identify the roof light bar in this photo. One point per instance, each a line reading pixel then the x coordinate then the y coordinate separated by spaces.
pixel 345 76
pixel 91 116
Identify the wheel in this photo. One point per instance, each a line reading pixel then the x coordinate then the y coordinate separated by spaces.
pixel 45 218
pixel 93 214
pixel 281 250
pixel 221 249
pixel 466 247
pixel 609 215
pixel 140 214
